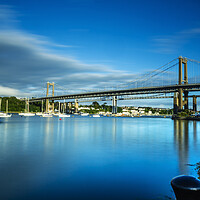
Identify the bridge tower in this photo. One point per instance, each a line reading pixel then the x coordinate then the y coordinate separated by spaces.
pixel 48 106
pixel 179 102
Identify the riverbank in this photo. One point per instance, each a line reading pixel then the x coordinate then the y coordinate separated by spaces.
pixel 195 118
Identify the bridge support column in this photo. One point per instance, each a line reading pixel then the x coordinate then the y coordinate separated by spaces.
pixel 42 107
pixel 180 99
pixel 76 105
pixel 176 103
pixel 62 110
pixel 52 106
pixel 47 101
pixel 69 107
pixel 64 107
pixel 182 81
pixel 185 100
pixel 194 103
pixel 114 105
pixel 47 106
pixel 27 105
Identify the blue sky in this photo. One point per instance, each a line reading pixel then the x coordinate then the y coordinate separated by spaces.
pixel 91 42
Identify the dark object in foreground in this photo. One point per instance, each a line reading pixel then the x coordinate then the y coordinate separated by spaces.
pixel 186 188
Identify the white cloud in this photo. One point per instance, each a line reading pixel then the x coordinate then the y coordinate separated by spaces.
pixel 7 91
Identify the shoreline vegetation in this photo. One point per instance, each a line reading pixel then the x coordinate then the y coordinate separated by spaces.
pixel 16 105
pixel 186 115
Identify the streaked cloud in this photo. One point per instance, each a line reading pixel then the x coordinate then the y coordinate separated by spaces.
pixel 29 61
pixel 170 44
pixel 6 91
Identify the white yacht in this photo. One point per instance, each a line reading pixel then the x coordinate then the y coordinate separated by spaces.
pixel 28 114
pixel 5 115
pixel 46 115
pixel 39 113
pixel 2 114
pixel 96 115
pixel 84 114
pixel 64 115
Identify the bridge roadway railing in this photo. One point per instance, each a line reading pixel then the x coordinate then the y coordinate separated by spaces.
pixel 133 91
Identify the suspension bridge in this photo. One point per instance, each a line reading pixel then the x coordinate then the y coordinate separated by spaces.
pixel 176 80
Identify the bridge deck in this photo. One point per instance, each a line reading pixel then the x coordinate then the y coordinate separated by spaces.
pixel 132 91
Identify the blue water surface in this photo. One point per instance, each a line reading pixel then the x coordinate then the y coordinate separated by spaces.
pixel 95 158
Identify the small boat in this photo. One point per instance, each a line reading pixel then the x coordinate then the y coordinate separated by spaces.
pixel 84 114
pixel 5 115
pixel 27 114
pixel 63 115
pixel 46 115
pixel 96 115
pixel 39 113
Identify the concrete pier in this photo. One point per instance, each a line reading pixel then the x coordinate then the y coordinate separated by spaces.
pixel 114 105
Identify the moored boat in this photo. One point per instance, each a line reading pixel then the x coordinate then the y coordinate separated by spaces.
pixel 5 115
pixel 64 115
pixel 39 113
pixel 84 114
pixel 97 115
pixel 46 115
pixel 27 114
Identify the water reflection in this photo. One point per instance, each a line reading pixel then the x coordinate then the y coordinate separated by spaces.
pixel 114 130
pixel 117 155
pixel 182 134
pixel 48 129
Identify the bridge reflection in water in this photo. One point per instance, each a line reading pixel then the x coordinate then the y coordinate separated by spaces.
pixel 183 133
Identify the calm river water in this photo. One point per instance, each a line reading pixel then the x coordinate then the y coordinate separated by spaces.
pixel 95 158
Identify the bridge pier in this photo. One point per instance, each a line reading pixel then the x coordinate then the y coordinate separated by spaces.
pixel 194 103
pixel 48 106
pixel 69 107
pixel 114 105
pixel 65 107
pixel 26 105
pixel 76 105
pixel 176 101
pixel 186 100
